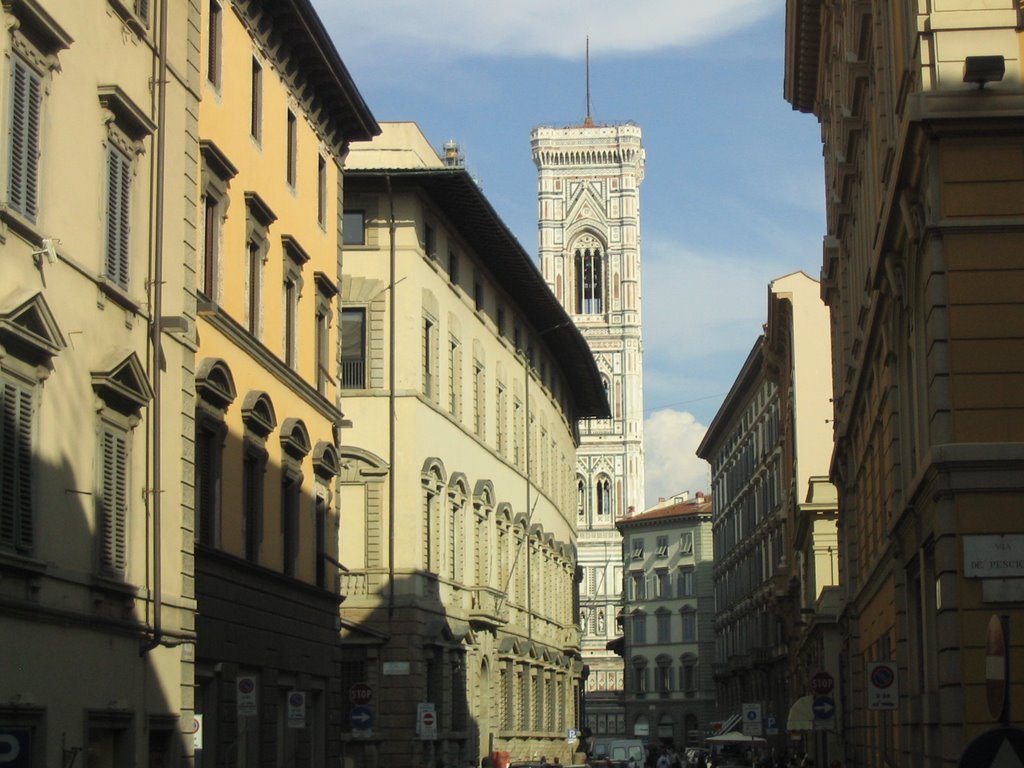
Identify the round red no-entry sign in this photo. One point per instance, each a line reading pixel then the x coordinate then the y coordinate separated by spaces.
pixel 822 683
pixel 995 667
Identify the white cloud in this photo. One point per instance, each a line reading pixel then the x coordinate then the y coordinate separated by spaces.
pixel 454 28
pixel 670 459
pixel 696 304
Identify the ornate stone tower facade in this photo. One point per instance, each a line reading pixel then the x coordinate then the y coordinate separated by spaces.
pixel 589 209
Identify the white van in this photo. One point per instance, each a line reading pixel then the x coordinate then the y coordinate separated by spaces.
pixel 618 752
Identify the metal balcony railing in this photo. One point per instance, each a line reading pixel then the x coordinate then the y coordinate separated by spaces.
pixel 353 374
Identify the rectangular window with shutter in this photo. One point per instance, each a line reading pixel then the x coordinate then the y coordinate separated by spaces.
pixel 664 627
pixel 256 101
pixel 213 44
pixel 208 482
pixel 113 501
pixel 290 496
pixel 292 138
pixel 23 130
pixel 253 469
pixel 119 175
pixel 321 190
pixel 141 8
pixel 16 528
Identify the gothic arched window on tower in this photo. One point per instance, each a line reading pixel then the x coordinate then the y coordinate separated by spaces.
pixel 589 277
pixel 604 496
pixel 581 497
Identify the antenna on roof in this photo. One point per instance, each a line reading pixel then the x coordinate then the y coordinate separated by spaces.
pixel 589 120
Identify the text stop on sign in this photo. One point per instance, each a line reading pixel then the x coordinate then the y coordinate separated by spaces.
pixel 822 683
pixel 360 693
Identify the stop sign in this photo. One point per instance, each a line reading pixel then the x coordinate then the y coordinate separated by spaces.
pixel 360 693
pixel 822 683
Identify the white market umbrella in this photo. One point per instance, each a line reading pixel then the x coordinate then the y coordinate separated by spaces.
pixel 734 737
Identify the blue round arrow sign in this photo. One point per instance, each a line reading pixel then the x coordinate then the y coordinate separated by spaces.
pixel 823 707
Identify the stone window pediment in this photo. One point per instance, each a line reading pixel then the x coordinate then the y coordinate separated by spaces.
pixel 325 460
pixel 123 386
pixel 295 438
pixel 31 331
pixel 131 119
pixel 215 384
pixel 258 413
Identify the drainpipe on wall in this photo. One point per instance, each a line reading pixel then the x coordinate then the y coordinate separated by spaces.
pixel 529 510
pixel 392 331
pixel 156 327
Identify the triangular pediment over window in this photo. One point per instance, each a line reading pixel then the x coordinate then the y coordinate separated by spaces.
pixel 28 328
pixel 585 205
pixel 122 383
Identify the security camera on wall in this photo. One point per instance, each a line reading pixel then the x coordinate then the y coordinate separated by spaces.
pixel 49 249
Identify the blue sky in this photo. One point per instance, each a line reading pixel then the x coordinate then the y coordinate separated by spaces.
pixel 733 195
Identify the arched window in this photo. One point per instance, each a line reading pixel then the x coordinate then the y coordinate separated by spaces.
pixel 215 388
pixel 589 265
pixel 604 496
pixel 581 496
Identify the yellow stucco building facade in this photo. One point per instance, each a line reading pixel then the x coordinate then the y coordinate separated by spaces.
pixel 277 113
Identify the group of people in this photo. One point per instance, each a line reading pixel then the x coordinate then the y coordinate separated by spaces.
pixel 782 760
pixel 669 758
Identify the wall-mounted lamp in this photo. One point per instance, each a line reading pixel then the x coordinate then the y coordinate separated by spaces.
pixel 49 249
pixel 984 69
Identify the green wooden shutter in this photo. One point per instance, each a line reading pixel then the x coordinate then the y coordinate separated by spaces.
pixel 114 502
pixel 118 198
pixel 142 11
pixel 26 107
pixel 16 529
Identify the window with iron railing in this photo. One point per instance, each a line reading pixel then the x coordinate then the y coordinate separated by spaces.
pixel 353 348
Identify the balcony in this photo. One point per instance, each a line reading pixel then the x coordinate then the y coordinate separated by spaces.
pixel 353 584
pixel 353 373
pixel 488 607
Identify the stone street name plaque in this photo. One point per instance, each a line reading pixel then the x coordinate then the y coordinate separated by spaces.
pixel 994 557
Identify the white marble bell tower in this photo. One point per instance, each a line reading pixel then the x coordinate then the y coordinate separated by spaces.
pixel 589 209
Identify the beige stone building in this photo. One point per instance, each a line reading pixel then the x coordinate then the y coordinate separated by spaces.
pixel 97 221
pixel 463 380
pixel 798 361
pixel 922 119
pixel 278 111
pixel 668 617
pixel 775 542
pixel 588 189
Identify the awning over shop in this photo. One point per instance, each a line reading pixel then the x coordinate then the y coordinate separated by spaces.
pixel 801 715
pixel 731 723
